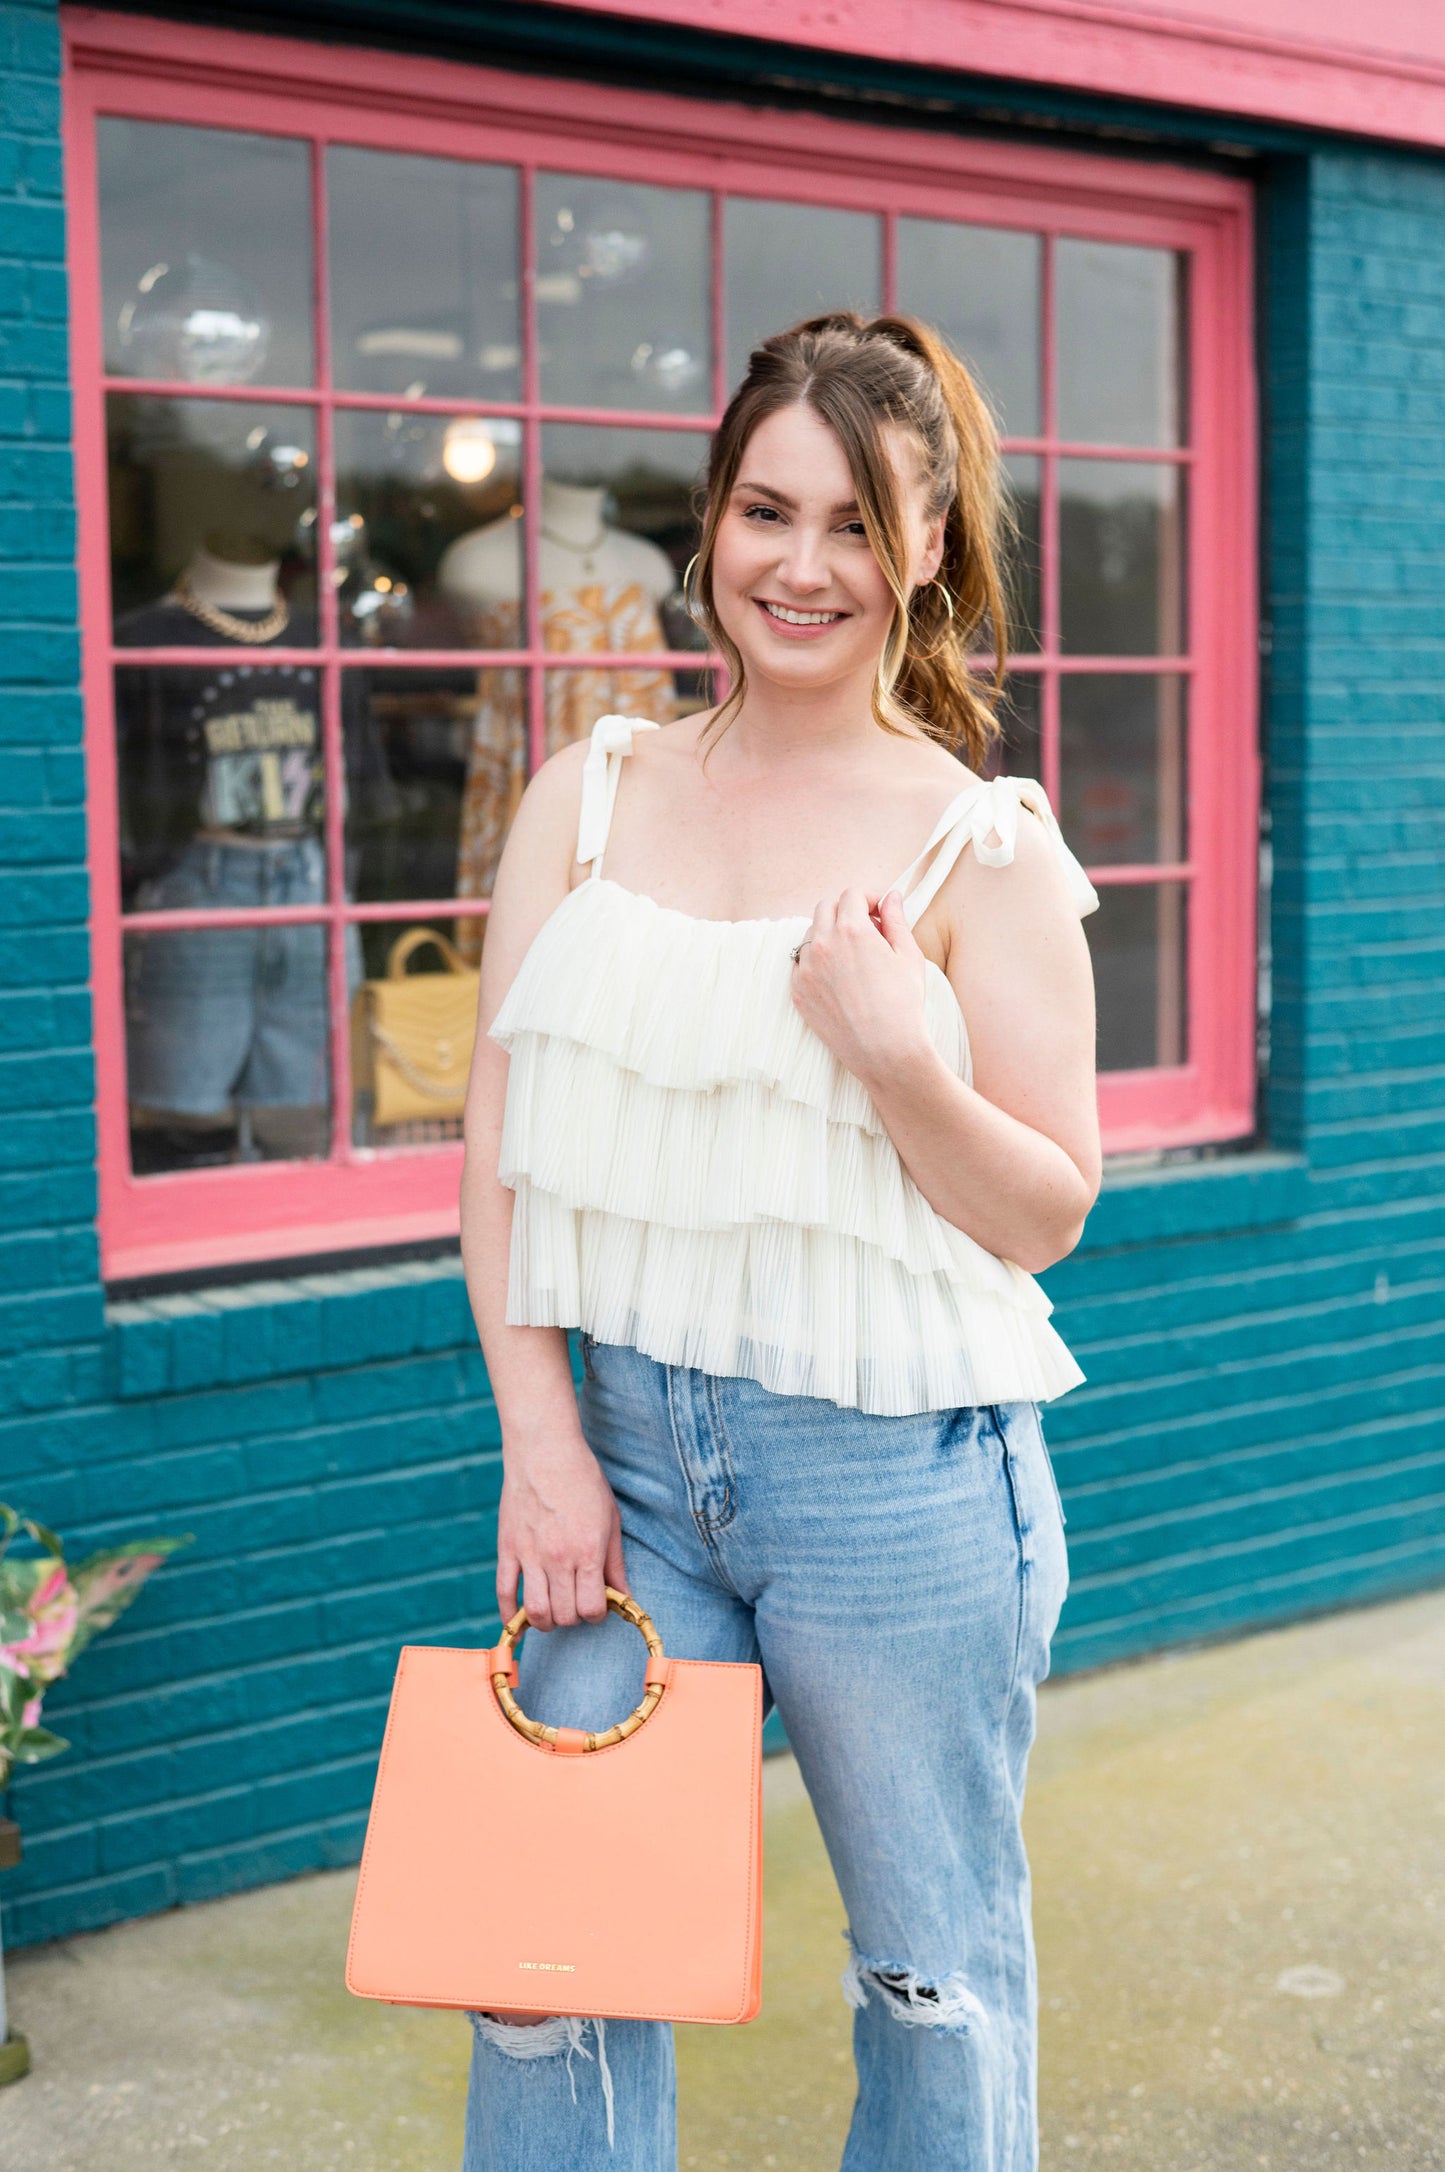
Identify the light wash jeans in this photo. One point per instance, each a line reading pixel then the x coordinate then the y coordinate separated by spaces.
pixel 899 1579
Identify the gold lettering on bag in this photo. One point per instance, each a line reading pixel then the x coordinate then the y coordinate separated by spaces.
pixel 554 1968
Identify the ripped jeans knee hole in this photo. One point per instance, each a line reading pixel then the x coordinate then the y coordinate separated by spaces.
pixel 563 2036
pixel 946 2003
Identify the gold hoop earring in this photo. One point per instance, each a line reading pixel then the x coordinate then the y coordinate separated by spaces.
pixel 692 609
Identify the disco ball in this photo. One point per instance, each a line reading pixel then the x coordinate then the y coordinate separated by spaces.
pixel 194 322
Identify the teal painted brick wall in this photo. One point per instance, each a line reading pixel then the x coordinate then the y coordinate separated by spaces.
pixel 1263 1430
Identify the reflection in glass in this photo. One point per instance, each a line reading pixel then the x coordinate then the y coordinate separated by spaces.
pixel 979 286
pixel 1137 940
pixel 1123 767
pixel 694 690
pixel 790 261
pixel 424 281
pixel 226 1028
pixel 1118 317
pixel 205 240
pixel 619 524
pixel 221 784
pixel 616 530
pixel 1121 547
pixel 1024 557
pixel 413 1022
pixel 1019 753
pixel 416 496
pixel 623 293
pixel 403 842
pixel 220 498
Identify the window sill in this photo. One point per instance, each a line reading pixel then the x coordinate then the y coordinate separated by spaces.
pixel 1196 1199
pixel 236 1334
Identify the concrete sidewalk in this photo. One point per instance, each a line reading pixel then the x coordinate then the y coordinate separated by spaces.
pixel 1240 1894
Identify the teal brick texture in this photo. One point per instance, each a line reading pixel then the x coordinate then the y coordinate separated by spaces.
pixel 1262 1432
pixel 1263 1428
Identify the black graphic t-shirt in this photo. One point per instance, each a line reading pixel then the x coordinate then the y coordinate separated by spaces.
pixel 232 745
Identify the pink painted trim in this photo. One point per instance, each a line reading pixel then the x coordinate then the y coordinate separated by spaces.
pixel 233 80
pixel 363 659
pixel 167 388
pixel 624 418
pixel 237 80
pixel 311 916
pixel 1321 63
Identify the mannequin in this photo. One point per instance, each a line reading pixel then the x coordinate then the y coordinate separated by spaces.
pixel 228 585
pixel 222 797
pixel 483 571
pixel 601 590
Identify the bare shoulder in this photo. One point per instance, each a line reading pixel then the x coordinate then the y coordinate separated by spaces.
pixel 1028 897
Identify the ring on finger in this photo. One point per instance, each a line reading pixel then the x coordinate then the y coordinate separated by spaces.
pixel 797 950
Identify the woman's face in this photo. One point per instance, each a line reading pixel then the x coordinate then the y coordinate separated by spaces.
pixel 795 582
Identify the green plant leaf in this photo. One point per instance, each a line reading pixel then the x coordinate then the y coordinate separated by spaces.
pixel 24 1578
pixel 14 1626
pixel 106 1583
pixel 36 1744
pixel 44 1536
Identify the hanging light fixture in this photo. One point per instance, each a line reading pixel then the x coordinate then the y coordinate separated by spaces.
pixel 469 449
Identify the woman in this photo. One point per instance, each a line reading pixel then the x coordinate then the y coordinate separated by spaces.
pixel 748 1145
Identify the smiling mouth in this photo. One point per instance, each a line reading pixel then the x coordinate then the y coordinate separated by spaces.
pixel 788 617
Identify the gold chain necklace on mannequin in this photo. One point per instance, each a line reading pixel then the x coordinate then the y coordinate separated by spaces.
pixel 252 631
pixel 584 551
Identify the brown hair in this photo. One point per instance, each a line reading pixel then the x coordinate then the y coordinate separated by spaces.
pixel 860 378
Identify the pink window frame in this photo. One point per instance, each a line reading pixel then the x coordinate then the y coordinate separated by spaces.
pixel 146 69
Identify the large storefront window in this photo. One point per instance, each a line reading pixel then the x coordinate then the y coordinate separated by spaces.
pixel 402 431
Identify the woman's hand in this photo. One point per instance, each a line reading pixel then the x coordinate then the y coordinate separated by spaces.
pixel 859 983
pixel 560 1532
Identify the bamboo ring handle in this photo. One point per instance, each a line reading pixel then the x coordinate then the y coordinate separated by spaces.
pixel 617 1603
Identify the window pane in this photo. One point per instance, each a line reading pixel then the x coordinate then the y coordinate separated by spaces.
pixel 221 784
pixel 1118 314
pixel 424 279
pixel 1121 537
pixel 427 539
pixel 790 261
pixel 411 730
pixel 979 285
pixel 1020 752
pixel 618 528
pixel 212 509
pixel 1137 938
pixel 1123 754
pixel 623 295
pixel 205 255
pixel 226 1029
pixel 413 1022
pixel 1024 555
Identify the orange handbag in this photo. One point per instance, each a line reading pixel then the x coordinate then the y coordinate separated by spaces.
pixel 543 1870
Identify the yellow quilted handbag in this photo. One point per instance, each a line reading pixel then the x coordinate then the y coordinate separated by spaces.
pixel 412 1043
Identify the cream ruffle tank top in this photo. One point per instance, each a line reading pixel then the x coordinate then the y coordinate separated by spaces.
pixel 697 1175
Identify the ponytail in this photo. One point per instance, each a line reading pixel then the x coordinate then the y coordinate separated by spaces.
pixel 860 377
pixel 937 681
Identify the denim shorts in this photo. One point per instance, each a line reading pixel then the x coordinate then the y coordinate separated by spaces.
pixel 223 1017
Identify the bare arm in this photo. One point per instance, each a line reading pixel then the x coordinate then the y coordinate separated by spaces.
pixel 558 1529
pixel 1012 1160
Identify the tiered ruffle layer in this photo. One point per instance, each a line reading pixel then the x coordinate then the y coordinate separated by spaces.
pixel 696 1175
